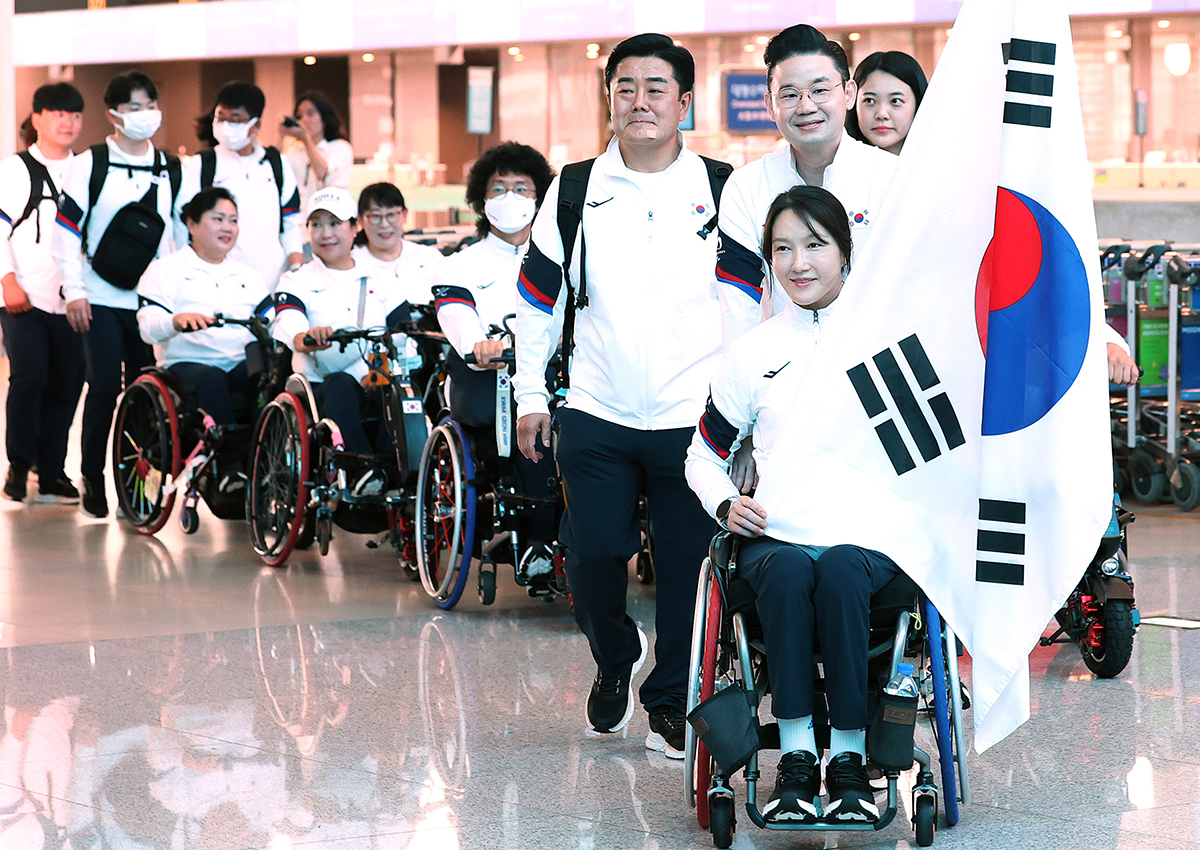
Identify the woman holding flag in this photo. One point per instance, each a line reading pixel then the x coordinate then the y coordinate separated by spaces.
pixel 806 589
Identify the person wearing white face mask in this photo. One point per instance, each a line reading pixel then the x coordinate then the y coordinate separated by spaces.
pixel 270 239
pixel 476 289
pixel 105 181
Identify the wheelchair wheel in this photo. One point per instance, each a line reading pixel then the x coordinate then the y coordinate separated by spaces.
pixel 145 451
pixel 941 710
pixel 1187 493
pixel 925 820
pixel 1146 477
pixel 445 514
pixel 280 471
pixel 705 630
pixel 1116 640
pixel 721 821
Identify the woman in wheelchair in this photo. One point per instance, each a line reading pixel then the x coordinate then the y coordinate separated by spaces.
pixel 807 590
pixel 179 297
pixel 474 291
pixel 329 293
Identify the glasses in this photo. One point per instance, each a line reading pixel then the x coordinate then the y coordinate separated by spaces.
pixel 377 219
pixel 787 97
pixel 498 191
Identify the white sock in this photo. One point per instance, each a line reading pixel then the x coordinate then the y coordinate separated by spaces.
pixel 845 741
pixel 796 735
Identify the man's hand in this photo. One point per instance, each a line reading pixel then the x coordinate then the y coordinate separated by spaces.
pixel 319 336
pixel 485 350
pixel 746 517
pixel 15 298
pixel 528 428
pixel 742 471
pixel 1122 369
pixel 79 315
pixel 184 322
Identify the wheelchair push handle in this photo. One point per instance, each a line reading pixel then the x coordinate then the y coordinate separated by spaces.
pixel 342 337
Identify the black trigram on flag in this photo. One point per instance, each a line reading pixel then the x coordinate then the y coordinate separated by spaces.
pixel 906 403
pixel 1001 535
pixel 1028 85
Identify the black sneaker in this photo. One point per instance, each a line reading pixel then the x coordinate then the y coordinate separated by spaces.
pixel 60 491
pixel 94 502
pixel 797 789
pixel 14 483
pixel 666 732
pixel 610 703
pixel 850 795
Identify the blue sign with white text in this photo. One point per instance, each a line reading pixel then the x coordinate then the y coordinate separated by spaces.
pixel 745 107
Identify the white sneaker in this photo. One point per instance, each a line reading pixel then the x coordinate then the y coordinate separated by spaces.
pixel 369 484
pixel 537 561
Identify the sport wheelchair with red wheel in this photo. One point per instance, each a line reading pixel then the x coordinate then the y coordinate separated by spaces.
pixel 297 489
pixel 728 652
pixel 155 424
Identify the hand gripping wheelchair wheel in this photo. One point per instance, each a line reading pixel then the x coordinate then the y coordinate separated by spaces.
pixel 145 450
pixel 280 474
pixel 445 514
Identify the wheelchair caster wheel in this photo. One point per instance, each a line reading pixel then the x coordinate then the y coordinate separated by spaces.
pixel 925 820
pixel 487 585
pixel 721 821
pixel 645 568
pixel 189 519
pixel 324 533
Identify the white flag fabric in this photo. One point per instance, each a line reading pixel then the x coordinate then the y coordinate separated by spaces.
pixel 955 414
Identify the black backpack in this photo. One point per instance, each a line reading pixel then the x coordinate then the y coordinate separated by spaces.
pixel 208 172
pixel 572 191
pixel 39 179
pixel 130 242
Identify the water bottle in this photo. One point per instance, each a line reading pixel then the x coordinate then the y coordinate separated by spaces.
pixel 890 738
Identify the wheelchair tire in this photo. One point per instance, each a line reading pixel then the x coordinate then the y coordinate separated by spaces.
pixel 280 476
pixel 645 567
pixel 1187 494
pixel 145 452
pixel 189 520
pixel 1146 477
pixel 445 514
pixel 708 683
pixel 941 712
pixel 1116 643
pixel 487 586
pixel 721 821
pixel 925 820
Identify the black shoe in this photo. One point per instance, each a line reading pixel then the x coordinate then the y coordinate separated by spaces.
pixel 14 484
pixel 610 703
pixel 94 502
pixel 850 795
pixel 797 789
pixel 666 732
pixel 60 491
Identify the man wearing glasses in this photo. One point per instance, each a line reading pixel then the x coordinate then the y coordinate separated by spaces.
pixel 809 91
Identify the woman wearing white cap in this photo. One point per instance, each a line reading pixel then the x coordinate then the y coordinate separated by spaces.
pixel 329 293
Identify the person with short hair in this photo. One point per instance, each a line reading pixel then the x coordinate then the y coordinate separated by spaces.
pixel 104 311
pixel 323 156
pixel 890 86
pixel 809 93
pixel 646 342
pixel 269 235
pixel 45 355
pixel 809 590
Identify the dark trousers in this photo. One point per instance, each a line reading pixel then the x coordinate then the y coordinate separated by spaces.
pixel 604 467
pixel 829 598
pixel 45 367
pixel 342 398
pixel 220 394
pixel 115 355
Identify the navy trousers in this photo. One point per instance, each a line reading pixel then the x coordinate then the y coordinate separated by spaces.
pixel 115 354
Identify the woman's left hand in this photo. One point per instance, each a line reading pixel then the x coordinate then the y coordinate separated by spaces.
pixel 746 517
pixel 185 322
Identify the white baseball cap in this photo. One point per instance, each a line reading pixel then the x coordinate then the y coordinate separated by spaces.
pixel 335 200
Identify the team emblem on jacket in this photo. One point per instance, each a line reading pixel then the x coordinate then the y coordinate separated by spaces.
pixel 699 209
pixel 859 219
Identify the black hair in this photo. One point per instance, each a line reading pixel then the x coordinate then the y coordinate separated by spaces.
pixel 506 158
pixel 900 65
pixel 243 95
pixel 57 97
pixel 817 208
pixel 203 128
pixel 205 200
pixel 383 195
pixel 656 46
pixel 804 40
pixel 27 132
pixel 330 121
pixel 121 88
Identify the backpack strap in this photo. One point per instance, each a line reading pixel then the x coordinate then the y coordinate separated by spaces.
pixel 208 168
pixel 95 185
pixel 718 173
pixel 39 178
pixel 174 175
pixel 572 191
pixel 272 155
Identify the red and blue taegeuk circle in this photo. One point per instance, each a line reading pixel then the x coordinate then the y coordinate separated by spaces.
pixel 1032 310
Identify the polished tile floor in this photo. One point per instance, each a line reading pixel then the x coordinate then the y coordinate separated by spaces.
pixel 171 693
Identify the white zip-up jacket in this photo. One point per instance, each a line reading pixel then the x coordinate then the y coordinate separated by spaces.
pixel 182 282
pixel 28 251
pixel 339 160
pixel 121 187
pixel 858 177
pixel 649 338
pixel 477 288
pixel 414 271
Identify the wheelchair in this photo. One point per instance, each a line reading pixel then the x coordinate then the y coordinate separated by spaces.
pixel 153 427
pixel 297 489
pixel 728 650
